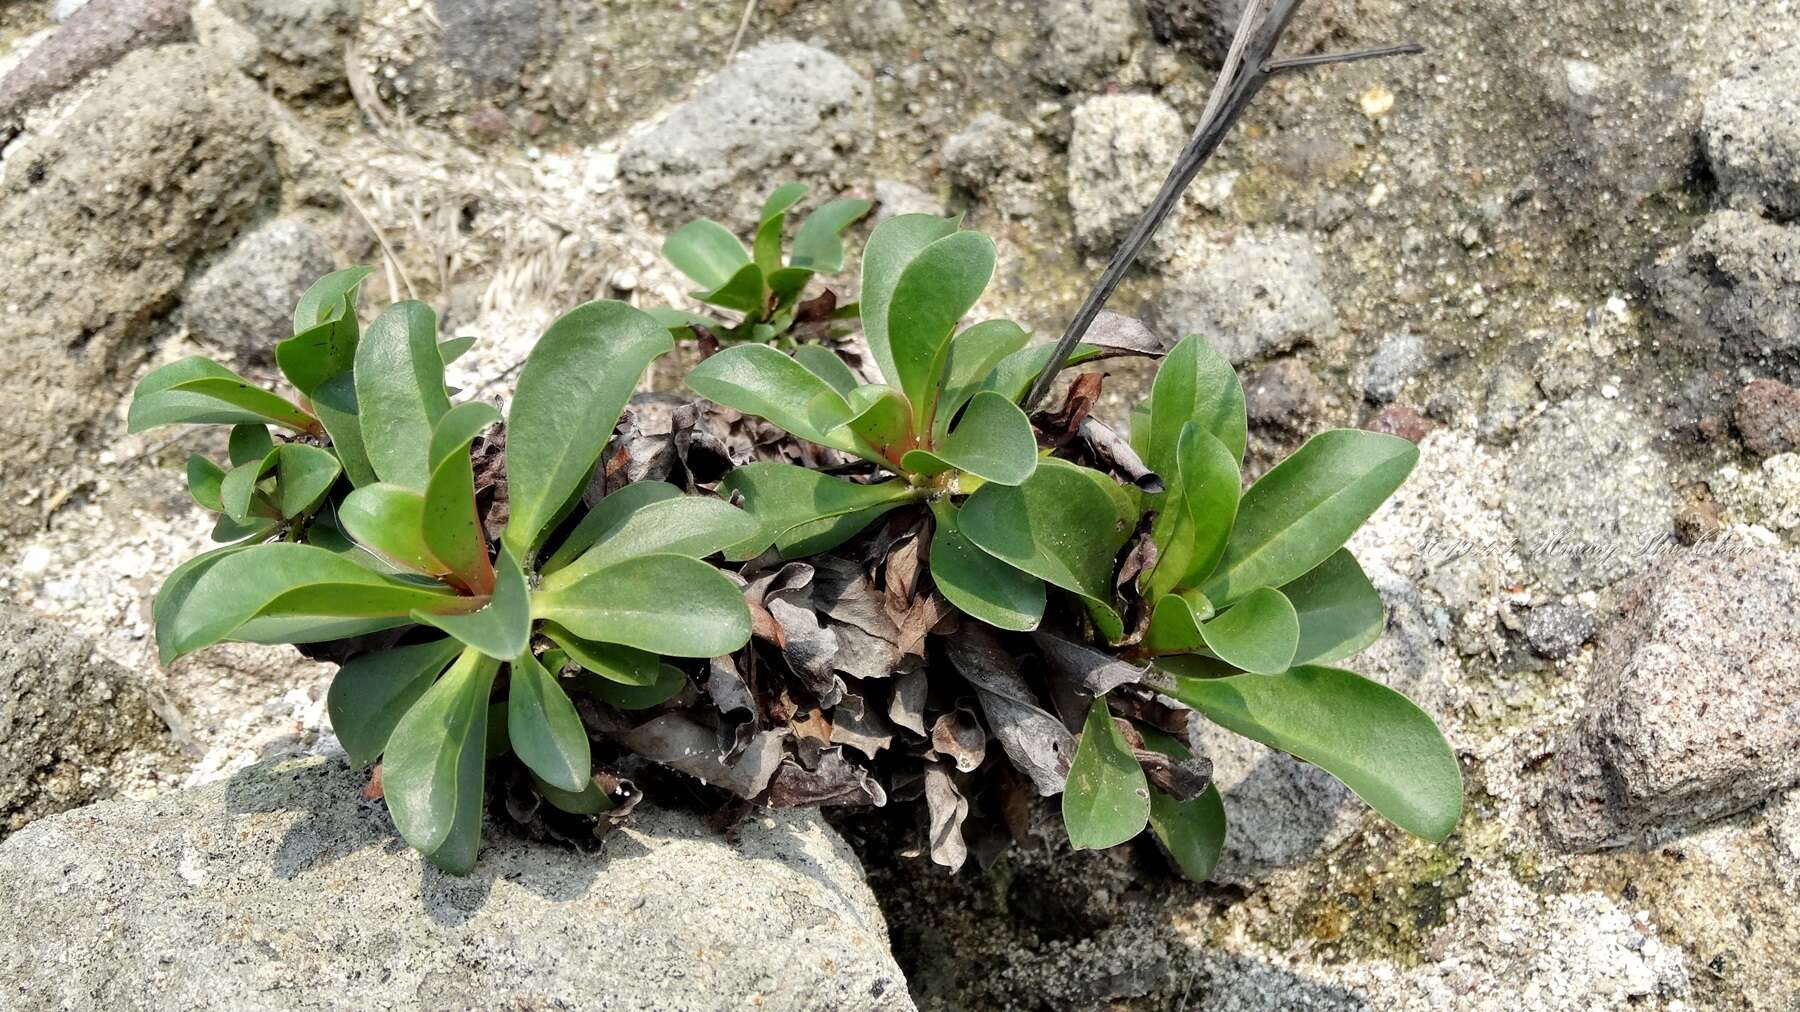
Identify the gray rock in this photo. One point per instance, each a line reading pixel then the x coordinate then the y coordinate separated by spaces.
pixel 983 152
pixel 161 164
pixel 1558 630
pixel 1089 41
pixel 1587 496
pixel 780 110
pixel 1397 359
pixel 282 889
pixel 63 10
pixel 1262 295
pixel 92 38
pixel 1284 398
pixel 1200 28
pixel 1751 129
pixel 1120 149
pixel 302 42
pixel 489 43
pixel 68 720
pixel 893 198
pixel 245 302
pixel 1693 711
pixel 1767 414
pixel 1511 393
pixel 1734 289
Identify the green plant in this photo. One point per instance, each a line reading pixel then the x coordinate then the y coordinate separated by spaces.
pixel 368 525
pixel 756 282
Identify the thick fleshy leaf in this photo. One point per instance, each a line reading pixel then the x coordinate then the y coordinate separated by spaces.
pixel 452 525
pixel 1259 633
pixel 452 348
pixel 1194 384
pixel 1065 525
pixel 335 402
pixel 400 392
pixel 933 294
pixel 574 385
pixel 390 521
pixel 829 366
pixel 329 298
pixel 1194 518
pixel 669 682
pixel 993 441
pixel 978 584
pixel 287 593
pixel 303 474
pixel 226 529
pixel 607 516
pixel 372 692
pixel 707 252
pixel 892 245
pixel 1191 832
pixel 882 421
pixel 203 478
pixel 694 526
pixel 781 199
pixel 545 730
pixel 1367 735
pixel 783 497
pixel 1306 507
pixel 1340 611
pixel 974 354
pixel 666 604
pixel 759 380
pixel 1175 623
pixel 239 493
pixel 503 627
pixel 590 800
pixel 1016 372
pixel 433 770
pixel 826 533
pixel 622 664
pixel 817 245
pixel 250 442
pixel 174 591
pixel 197 390
pixel 1107 800
pixel 743 292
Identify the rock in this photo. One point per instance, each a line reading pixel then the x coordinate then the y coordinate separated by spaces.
pixel 1511 394
pixel 489 43
pixel 92 38
pixel 1200 28
pixel 63 10
pixel 302 42
pixel 245 302
pixel 1397 359
pixel 1121 148
pixel 1260 296
pixel 69 720
pixel 160 165
pixel 781 109
pixel 1768 417
pixel 1693 710
pixel 982 153
pixel 284 879
pixel 1734 289
pixel 1088 41
pixel 1587 496
pixel 1285 397
pixel 1751 130
pixel 1400 420
pixel 893 198
pixel 1556 631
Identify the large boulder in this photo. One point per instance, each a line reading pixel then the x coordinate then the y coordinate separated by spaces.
pixel 1734 290
pixel 1751 130
pixel 244 303
pixel 1261 295
pixel 301 42
pixel 1693 711
pixel 164 162
pixel 282 889
pixel 92 37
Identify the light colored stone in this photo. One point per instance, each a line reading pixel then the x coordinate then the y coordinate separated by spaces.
pixel 1734 289
pixel 1751 129
pixel 1259 296
pixel 1121 148
pixel 1089 41
pixel 302 42
pixel 245 303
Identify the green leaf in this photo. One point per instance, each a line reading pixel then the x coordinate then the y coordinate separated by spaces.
pixel 1175 623
pixel 372 692
pixel 249 443
pixel 459 427
pixel 303 474
pixel 335 401
pixel 669 682
pixel 329 298
pixel 783 497
pixel 829 366
pixel 433 770
pixel 1191 832
pixel 782 198
pixel 758 380
pixel 974 354
pixel 1015 373
pixel 570 393
pixel 1306 507
pixel 1194 384
pixel 390 521
pixel 1107 799
pixel 1195 516
pixel 226 529
pixel 197 391
pixel 744 292
pixel 238 491
pixel 173 593
pixel 313 356
pixel 682 320
pixel 1258 634
pixel 622 664
pixel 500 629
pixel 666 604
pixel 203 478
pixel 545 730
pixel 705 251
pixel 767 245
pixel 934 292
pixel 817 245
pixel 692 526
pixel 993 441
pixel 400 392
pixel 288 593
pixel 1340 611
pixel 1140 430
pixel 454 348
pixel 606 517
pixel 1064 525
pixel 1367 735
pixel 824 534
pixel 892 245
pixel 590 800
pixel 882 420
pixel 978 584
pixel 452 525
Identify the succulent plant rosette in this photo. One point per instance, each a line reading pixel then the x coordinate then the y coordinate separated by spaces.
pixel 853 572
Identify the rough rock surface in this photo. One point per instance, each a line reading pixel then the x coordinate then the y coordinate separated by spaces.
pixel 1397 360
pixel 489 43
pixel 1088 40
pixel 245 303
pixel 983 152
pixel 302 41
pixel 281 888
pixel 1751 130
pixel 781 109
pixel 1120 149
pixel 170 152
pixel 1694 708
pixel 67 717
pixel 1558 630
pixel 1767 415
pixel 1734 288
pixel 1259 296
pixel 92 38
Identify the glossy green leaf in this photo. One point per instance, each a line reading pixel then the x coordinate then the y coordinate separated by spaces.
pixel 743 292
pixel 622 664
pixel 1260 633
pixel 829 366
pixel 501 628
pixel 1306 507
pixel 303 474
pixel 783 497
pixel 669 682
pixel 390 521
pixel 993 441
pixel 590 800
pixel 666 604
pixel 782 199
pixel 574 385
pixel 1140 430
pixel 400 392
pixel 452 526
pixel 1191 832
pixel 371 692
pixel 250 442
pixel 1175 623
pixel 892 245
pixel 1194 518
pixel 827 533
pixel 979 585
pixel 196 390
pixel 974 354
pixel 1107 799
pixel 818 246
pixel 545 730
pixel 759 380
pixel 313 356
pixel 203 478
pixel 681 320
pixel 693 526
pixel 453 348
pixel 226 529
pixel 1339 609
pixel 1367 735
pixel 707 252
pixel 882 421
pixel 329 298
pixel 459 427
pixel 766 247
pixel 172 595
pixel 335 401
pixel 433 770
pixel 1016 372
pixel 1194 384
pixel 934 292
pixel 240 492
pixel 607 516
